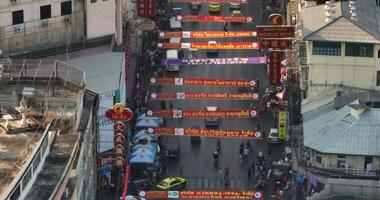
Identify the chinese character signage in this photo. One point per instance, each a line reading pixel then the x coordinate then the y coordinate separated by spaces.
pixel 216 61
pixel 204 82
pixel 252 195
pixel 251 113
pixel 282 125
pixel 214 18
pixel 275 68
pixel 207 133
pixel 206 45
pixel 119 113
pixel 276 43
pixel 276 19
pixel 146 8
pixel 207 34
pixel 275 31
pixel 204 95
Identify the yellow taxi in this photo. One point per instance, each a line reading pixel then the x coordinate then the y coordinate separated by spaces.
pixel 172 183
pixel 214 7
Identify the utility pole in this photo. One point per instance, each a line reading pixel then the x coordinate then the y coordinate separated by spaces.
pixel 119 23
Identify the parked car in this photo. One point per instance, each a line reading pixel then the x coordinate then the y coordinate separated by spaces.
pixel 195 139
pixel 172 183
pixel 273 136
pixel 194 5
pixel 172 151
pixel 235 6
pixel 212 121
pixel 212 52
pixel 214 8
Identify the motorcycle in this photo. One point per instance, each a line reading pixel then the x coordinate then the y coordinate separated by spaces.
pixel 215 157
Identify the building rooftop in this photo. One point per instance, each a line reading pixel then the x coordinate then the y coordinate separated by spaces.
pixel 342 28
pixel 341 131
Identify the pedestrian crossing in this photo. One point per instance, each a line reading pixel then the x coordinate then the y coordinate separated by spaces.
pixel 213 183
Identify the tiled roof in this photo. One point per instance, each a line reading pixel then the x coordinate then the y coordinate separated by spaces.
pixel 338 132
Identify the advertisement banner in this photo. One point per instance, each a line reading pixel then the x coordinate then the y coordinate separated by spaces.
pixel 202 194
pixel 205 45
pixel 275 68
pixel 204 95
pixel 146 8
pixel 276 43
pixel 207 34
pixel 282 125
pixel 217 61
pixel 214 18
pixel 275 31
pixel 204 82
pixel 210 1
pixel 180 114
pixel 207 133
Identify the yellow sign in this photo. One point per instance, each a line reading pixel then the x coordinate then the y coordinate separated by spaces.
pixel 281 125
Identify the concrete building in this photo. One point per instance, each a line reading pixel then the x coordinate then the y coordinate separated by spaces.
pixel 56 25
pixel 340 46
pixel 48 131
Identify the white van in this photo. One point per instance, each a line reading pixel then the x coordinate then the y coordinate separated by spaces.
pixel 175 24
pixel 172 54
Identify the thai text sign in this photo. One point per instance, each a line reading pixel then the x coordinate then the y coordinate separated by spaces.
pixel 282 125
pixel 275 31
pixel 276 43
pixel 204 95
pixel 217 61
pixel 202 194
pixel 251 113
pixel 207 34
pixel 213 18
pixel 226 45
pixel 204 82
pixel 210 1
pixel 274 68
pixel 146 8
pixel 207 133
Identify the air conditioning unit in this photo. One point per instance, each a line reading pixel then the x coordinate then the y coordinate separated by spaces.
pixel 19 29
pixel 45 23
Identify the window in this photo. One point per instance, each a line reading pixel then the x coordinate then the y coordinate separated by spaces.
pixel 327 48
pixel 66 8
pixel 378 53
pixel 377 78
pixel 341 156
pixel 368 161
pixel 18 17
pixel 319 159
pixel 359 50
pixel 93 1
pixel 16 193
pixel 45 12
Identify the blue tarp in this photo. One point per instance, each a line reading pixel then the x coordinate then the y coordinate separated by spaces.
pixel 143 155
pixel 144 121
pixel 144 151
pixel 141 159
pixel 149 147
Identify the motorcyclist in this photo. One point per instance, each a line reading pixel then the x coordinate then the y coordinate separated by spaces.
pixel 218 145
pixel 215 156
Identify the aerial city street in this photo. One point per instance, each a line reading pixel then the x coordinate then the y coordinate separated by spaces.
pixel 189 99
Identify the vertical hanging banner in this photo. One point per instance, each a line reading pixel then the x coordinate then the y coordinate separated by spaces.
pixel 146 8
pixel 275 68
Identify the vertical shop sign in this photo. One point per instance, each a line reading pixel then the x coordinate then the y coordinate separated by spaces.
pixel 275 68
pixel 146 8
pixel 282 125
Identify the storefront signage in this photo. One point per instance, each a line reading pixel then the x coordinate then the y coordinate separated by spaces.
pixel 118 127
pixel 276 19
pixel 213 18
pixel 204 95
pixel 251 113
pixel 210 1
pixel 205 45
pixel 217 61
pixel 275 68
pixel 275 31
pixel 146 8
pixel 202 194
pixel 276 43
pixel 204 82
pixel 282 125
pixel 119 113
pixel 207 133
pixel 207 34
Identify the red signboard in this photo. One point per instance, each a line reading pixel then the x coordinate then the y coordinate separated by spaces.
pixel 207 34
pixel 206 45
pixel 119 113
pixel 251 113
pixel 275 68
pixel 276 43
pixel 211 1
pixel 202 194
pixel 207 133
pixel 275 31
pixel 146 8
pixel 204 95
pixel 204 82
pixel 276 19
pixel 118 127
pixel 213 18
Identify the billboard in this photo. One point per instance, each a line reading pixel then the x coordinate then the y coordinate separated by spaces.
pixel 275 31
pixel 201 194
pixel 282 118
pixel 207 34
pixel 214 18
pixel 206 45
pixel 275 68
pixel 216 61
pixel 204 82
pixel 180 114
pixel 276 43
pixel 204 95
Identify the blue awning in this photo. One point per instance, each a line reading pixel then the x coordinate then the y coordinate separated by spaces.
pixel 142 159
pixel 144 121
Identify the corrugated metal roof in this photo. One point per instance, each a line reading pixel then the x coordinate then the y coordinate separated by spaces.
pixel 338 132
pixel 365 30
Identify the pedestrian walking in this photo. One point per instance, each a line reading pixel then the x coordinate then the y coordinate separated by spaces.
pixel 226 172
pixel 163 105
pixel 170 105
pixel 249 173
pixel 225 26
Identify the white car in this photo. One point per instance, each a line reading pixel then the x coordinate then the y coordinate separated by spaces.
pixel 212 51
pixel 273 136
pixel 235 6
pixel 212 121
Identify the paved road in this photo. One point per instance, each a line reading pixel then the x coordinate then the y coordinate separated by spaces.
pixel 197 161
